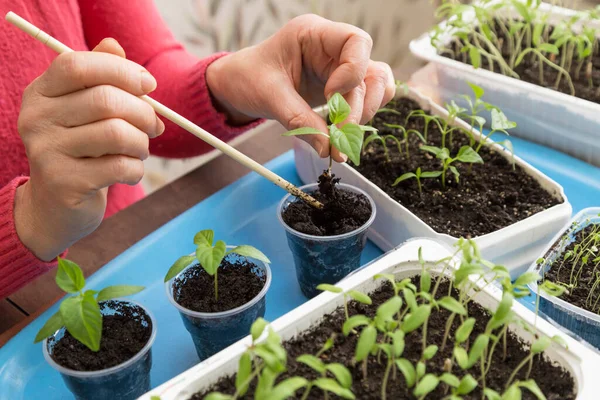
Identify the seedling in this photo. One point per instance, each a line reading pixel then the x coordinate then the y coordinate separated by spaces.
pixel 465 154
pixel 418 174
pixel 375 136
pixel 347 138
pixel 210 255
pixel 405 132
pixel 80 314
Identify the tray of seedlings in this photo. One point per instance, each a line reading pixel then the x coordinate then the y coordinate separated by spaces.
pixel 432 175
pixel 536 61
pixel 425 321
pixel 572 261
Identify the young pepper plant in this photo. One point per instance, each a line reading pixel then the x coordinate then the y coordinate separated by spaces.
pixel 465 154
pixel 80 314
pixel 210 255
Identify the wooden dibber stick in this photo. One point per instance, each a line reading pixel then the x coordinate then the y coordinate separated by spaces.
pixel 172 116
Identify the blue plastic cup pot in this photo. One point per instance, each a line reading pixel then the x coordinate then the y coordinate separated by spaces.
pixel 126 381
pixel 324 259
pixel 212 332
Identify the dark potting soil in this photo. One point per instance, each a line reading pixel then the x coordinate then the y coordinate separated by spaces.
pixel 555 382
pixel 528 71
pixel 238 282
pixel 343 211
pixel 578 296
pixel 488 196
pixel 124 334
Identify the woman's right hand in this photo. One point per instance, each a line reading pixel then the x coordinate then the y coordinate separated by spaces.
pixel 84 129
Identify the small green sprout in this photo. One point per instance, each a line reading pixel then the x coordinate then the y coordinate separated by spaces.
pixel 80 314
pixel 465 154
pixel 210 255
pixel 418 174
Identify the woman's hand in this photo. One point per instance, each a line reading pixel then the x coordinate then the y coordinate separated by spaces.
pixel 300 67
pixel 84 129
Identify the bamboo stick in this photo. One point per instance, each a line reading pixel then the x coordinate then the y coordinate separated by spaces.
pixel 174 117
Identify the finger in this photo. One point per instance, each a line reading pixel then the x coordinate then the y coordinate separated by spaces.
pixel 107 137
pixel 111 46
pixel 380 89
pixel 101 172
pixel 104 102
pixel 75 71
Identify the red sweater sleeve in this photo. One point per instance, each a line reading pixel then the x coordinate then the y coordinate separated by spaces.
pixel 18 265
pixel 182 87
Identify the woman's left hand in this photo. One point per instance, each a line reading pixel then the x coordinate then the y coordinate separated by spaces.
pixel 298 68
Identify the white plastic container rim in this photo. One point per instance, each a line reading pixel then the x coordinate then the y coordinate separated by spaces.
pixel 111 370
pixel 307 188
pixel 222 314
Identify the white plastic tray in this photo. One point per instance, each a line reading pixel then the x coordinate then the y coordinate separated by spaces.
pixel 543 115
pixel 514 246
pixel 402 262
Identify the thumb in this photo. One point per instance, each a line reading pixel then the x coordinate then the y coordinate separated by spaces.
pixel 110 45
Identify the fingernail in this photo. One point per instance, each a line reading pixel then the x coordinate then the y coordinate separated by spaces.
pixel 344 157
pixel 160 126
pixel 148 82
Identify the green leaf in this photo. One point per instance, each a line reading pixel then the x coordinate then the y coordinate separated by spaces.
pixel 500 121
pixel 454 172
pixel 464 330
pixel 348 139
pixel 312 362
pixel 210 257
pixel 303 131
pixel 365 343
pixel 243 374
pixel 461 356
pixel 426 385
pixel 527 278
pixel 512 393
pixel 431 174
pixel 478 348
pixel 390 308
pixel 341 373
pixel 404 177
pixel 54 323
pixel 250 252
pixel 465 271
pixel 258 328
pixel 503 312
pixel 360 297
pixel 491 394
pixel 329 385
pixel 204 238
pixel 398 342
pixel 286 389
pixel 522 10
pixel 430 352
pixel 69 276
pixel 178 266
pixel 83 319
pixel 368 128
pixel 466 154
pixel 212 396
pixel 548 48
pixel 475 56
pixel 409 296
pixel 452 305
pixel 449 379
pixel 408 370
pixel 425 281
pixel 388 110
pixel 270 359
pixel 353 322
pixel 329 288
pixel 116 291
pixel 540 345
pixel 533 388
pixel 467 385
pixel 339 109
pixel 536 36
pixel 415 319
pixel 477 90
pixel 433 150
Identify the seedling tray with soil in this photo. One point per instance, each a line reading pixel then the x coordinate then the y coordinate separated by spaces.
pixel 511 213
pixel 560 372
pixel 572 260
pixel 551 117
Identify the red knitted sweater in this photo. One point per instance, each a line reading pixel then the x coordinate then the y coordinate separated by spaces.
pixel 81 25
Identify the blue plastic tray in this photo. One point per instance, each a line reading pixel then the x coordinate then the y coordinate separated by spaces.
pixel 242 213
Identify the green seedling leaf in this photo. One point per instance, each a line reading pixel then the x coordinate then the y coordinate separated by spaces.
pixel 452 305
pixel 83 319
pixel 548 48
pixel 415 319
pixel 503 313
pixel 398 342
pixel 552 288
pixel 390 308
pixel 54 323
pixel 540 345
pixel 266 380
pixel 329 288
pixel 475 56
pixel 533 388
pixel 250 252
pixel 439 153
pixel 409 297
pixel 178 266
pixel 454 172
pixel 348 140
pixel 258 328
pixel 312 362
pixel 465 271
pixel 303 131
pixel 286 389
pixel 425 281
pixel 365 343
pixel 462 358
pixel 69 276
pixel 210 257
pixel 402 178
pixel 360 297
pixel 500 122
pixel 330 385
pixel 341 373
pixel 466 154
pixel 477 90
pixel 449 380
pixel 388 110
pixel 491 394
pixel 467 385
pixel 478 348
pixel 464 330
pixel 512 393
pixel 426 385
pixel 243 374
pixel 408 370
pixel 527 278
pixel 271 360
pixel 204 238
pixel 368 128
pixel 353 322
pixel 430 352
pixel 431 174
pixel 339 109
pixel 116 291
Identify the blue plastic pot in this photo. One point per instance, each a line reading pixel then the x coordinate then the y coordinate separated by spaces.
pixel 126 381
pixel 325 259
pixel 212 332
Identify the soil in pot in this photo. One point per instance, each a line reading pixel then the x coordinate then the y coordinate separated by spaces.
pixel 124 334
pixel 528 70
pixel 488 196
pixel 343 211
pixel 238 283
pixel 584 294
pixel 555 382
